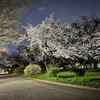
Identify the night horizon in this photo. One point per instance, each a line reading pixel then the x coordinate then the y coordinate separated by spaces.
pixel 66 11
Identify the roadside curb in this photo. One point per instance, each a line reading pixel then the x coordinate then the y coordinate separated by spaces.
pixel 6 76
pixel 63 84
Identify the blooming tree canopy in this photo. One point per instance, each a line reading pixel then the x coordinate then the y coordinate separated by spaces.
pixel 80 40
pixel 86 39
pixel 50 37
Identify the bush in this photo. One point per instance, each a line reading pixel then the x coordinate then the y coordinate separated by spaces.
pixel 53 72
pixel 53 69
pixel 79 72
pixel 72 68
pixel 32 69
pixel 52 64
pixel 18 70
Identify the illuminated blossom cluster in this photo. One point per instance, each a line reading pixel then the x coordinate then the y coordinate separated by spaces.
pixel 75 41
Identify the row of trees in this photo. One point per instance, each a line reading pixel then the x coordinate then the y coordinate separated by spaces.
pixel 77 42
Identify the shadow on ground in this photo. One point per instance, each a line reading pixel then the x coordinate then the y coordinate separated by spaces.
pixel 66 76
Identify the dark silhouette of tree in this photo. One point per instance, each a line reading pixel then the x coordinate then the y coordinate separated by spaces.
pixel 10 16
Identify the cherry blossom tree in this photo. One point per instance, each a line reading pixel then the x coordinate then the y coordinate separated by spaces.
pixel 10 16
pixel 79 41
pixel 50 36
pixel 86 40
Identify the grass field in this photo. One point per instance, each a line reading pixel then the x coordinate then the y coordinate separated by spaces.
pixel 91 79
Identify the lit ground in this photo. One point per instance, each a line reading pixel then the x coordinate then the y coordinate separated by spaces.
pixel 17 88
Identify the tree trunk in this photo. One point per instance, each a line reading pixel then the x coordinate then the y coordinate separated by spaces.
pixel 95 65
pixel 90 65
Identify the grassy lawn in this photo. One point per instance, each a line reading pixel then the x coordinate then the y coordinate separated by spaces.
pixel 91 79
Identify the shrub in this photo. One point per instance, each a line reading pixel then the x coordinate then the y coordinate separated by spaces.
pixel 18 70
pixel 53 72
pixel 53 69
pixel 32 69
pixel 53 64
pixel 72 68
pixel 79 72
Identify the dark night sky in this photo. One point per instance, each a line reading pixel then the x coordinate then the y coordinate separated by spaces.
pixel 66 11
